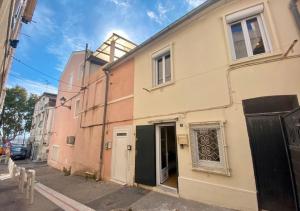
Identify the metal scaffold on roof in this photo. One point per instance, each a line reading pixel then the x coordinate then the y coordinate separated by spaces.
pixel 114 45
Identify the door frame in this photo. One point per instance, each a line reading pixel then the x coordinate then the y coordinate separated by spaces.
pixel 116 129
pixel 158 150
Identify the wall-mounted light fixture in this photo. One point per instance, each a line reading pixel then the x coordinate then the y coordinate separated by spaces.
pixel 63 100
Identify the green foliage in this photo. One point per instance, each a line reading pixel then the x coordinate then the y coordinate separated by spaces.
pixel 17 112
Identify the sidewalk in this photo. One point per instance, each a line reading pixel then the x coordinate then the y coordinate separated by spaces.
pixel 12 200
pixel 95 195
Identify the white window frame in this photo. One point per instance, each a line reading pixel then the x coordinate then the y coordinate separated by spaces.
pixel 242 20
pixel 162 54
pixel 218 167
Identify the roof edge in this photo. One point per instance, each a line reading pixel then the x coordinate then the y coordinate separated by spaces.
pixel 165 30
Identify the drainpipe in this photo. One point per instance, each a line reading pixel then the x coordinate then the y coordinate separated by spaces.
pixel 295 12
pixel 82 83
pixel 106 72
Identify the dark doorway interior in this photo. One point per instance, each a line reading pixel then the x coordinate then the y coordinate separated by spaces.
pixel 269 151
pixel 169 155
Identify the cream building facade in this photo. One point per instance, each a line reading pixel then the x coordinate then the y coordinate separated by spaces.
pixel 42 126
pixel 192 85
pixel 12 14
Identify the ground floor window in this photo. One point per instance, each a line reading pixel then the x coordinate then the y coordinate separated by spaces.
pixel 208 147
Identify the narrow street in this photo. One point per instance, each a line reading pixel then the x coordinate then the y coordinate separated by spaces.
pixel 77 191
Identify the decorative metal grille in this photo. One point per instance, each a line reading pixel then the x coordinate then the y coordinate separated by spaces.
pixel 207 140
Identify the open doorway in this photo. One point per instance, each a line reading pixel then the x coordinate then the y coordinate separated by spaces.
pixel 166 155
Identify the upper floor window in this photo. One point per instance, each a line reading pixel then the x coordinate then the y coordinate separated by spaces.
pixel 247 33
pixel 162 68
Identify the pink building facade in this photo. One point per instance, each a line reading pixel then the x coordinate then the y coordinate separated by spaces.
pixel 79 143
pixel 118 129
pixel 65 117
pixel 88 138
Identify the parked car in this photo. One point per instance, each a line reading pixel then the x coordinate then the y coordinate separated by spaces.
pixel 18 152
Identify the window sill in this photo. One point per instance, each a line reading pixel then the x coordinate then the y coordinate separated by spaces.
pixel 161 86
pixel 253 59
pixel 219 171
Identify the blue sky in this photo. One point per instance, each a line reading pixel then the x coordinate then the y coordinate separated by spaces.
pixel 63 26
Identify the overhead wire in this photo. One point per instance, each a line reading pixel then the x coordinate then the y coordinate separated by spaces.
pixel 18 77
pixel 46 75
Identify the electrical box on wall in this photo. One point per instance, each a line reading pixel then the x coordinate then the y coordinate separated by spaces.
pixel 107 145
pixel 182 140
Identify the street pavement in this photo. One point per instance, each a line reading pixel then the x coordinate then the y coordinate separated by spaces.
pixel 12 200
pixel 95 195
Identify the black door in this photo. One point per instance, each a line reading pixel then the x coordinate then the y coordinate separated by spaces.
pixel 292 132
pixel 273 178
pixel 145 159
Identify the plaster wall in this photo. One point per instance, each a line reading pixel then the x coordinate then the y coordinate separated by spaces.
pixel 208 85
pixel 65 121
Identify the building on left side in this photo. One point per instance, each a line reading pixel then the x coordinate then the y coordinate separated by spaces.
pixel 41 129
pixel 12 14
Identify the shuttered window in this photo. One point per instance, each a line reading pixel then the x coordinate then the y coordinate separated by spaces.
pixel 247 33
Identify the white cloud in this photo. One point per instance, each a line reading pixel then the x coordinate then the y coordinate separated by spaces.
pixel 121 3
pixel 41 27
pixel 69 38
pixel 62 38
pixel 62 49
pixel 152 15
pixel 194 3
pixel 161 14
pixel 43 24
pixel 31 86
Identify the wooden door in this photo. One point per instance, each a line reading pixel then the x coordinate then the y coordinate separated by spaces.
pixel 145 158
pixel 271 165
pixel 120 154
